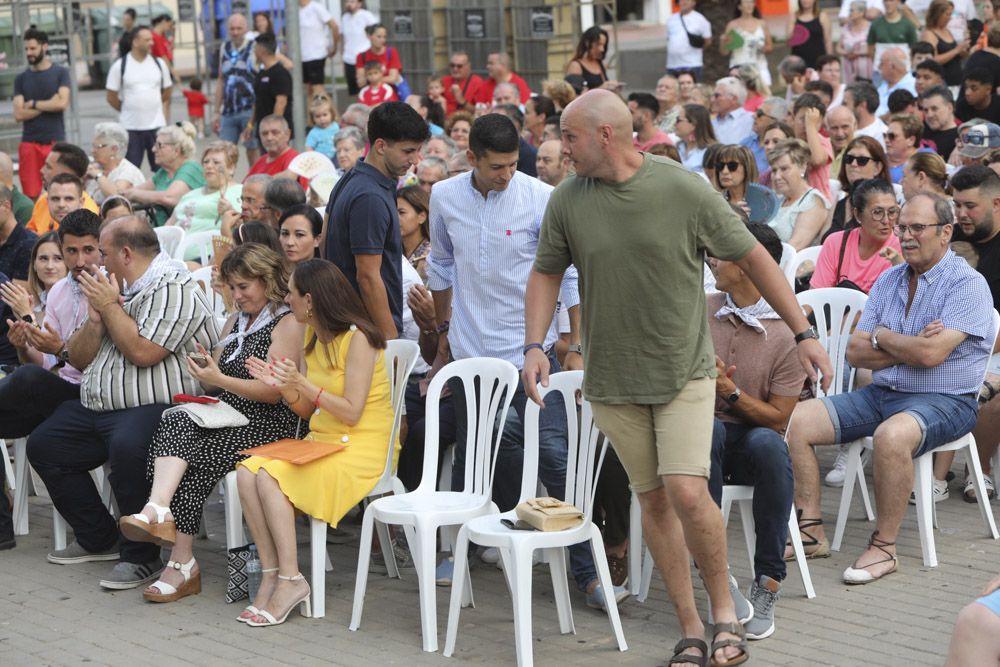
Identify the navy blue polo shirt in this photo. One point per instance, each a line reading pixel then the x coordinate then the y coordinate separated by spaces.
pixel 364 221
pixel 15 256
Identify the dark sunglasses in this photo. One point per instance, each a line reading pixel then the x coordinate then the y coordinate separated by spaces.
pixel 760 114
pixel 859 160
pixel 731 165
pixel 891 136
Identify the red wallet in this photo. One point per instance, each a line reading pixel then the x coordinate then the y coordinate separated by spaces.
pixel 188 398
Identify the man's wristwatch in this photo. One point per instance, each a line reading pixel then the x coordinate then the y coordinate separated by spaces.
pixel 63 355
pixel 875 339
pixel 575 348
pixel 735 396
pixel 806 335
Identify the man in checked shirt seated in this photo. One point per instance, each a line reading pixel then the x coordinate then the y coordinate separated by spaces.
pixel 926 332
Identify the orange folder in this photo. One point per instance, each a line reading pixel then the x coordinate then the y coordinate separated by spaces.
pixel 298 452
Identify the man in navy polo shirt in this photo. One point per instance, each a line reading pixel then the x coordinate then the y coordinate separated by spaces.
pixel 16 243
pixel 362 224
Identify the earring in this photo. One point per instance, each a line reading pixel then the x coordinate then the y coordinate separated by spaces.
pixel 309 312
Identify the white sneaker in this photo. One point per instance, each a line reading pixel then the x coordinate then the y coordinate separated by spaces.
pixel 940 492
pixel 490 555
pixel 836 476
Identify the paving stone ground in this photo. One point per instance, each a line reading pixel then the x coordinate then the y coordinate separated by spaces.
pixel 57 615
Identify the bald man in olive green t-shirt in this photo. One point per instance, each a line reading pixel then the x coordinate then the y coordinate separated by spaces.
pixel 637 228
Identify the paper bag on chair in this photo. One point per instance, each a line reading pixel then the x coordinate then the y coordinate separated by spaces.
pixel 549 514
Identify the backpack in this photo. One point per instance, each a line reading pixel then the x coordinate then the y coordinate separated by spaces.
pixel 124 60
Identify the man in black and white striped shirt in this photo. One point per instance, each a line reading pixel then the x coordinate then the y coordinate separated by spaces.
pixel 133 348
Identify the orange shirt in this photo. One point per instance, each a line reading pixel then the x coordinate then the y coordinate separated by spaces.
pixel 41 221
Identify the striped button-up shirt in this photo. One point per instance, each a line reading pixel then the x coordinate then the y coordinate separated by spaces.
pixel 171 312
pixel 952 292
pixel 484 248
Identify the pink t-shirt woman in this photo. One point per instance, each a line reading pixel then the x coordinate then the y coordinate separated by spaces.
pixel 861 272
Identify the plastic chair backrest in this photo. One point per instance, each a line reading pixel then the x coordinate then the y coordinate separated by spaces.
pixel 400 357
pixel 216 304
pixel 996 334
pixel 200 240
pixel 170 238
pixel 810 254
pixel 788 253
pixel 836 310
pixel 586 444
pixel 489 386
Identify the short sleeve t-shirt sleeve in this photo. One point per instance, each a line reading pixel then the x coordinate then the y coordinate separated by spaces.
pixel 369 225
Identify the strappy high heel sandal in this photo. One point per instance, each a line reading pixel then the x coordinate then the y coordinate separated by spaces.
pixel 812 547
pixel 250 611
pixel 858 575
pixel 138 527
pixel 264 618
pixel 168 593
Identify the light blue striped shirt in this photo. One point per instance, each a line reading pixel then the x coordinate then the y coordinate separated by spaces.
pixel 484 249
pixel 952 292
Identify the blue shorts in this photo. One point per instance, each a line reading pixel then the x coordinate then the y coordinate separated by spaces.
pixel 991 601
pixel 942 417
pixel 232 125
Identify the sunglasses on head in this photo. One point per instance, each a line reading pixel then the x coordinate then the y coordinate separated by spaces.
pixel 860 160
pixel 731 165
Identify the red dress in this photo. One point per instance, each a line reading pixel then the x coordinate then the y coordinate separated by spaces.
pixel 196 102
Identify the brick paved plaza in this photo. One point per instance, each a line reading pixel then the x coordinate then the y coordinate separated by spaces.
pixel 57 615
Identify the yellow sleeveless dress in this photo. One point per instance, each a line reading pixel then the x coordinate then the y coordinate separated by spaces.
pixel 329 487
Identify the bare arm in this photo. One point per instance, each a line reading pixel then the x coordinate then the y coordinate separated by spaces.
pixel 125 335
pixel 773 413
pixel 334 36
pixel 280 102
pixel 58 102
pixel 286 343
pixel 84 343
pixel 927 349
pixel 114 101
pixel 824 22
pixel 23 110
pixel 723 49
pixel 768 40
pixel 860 353
pixel 166 198
pixel 442 313
pixel 373 293
pixel 539 303
pixel 807 227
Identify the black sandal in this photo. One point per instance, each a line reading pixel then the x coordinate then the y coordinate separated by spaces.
pixel 680 658
pixel 859 575
pixel 820 548
pixel 741 644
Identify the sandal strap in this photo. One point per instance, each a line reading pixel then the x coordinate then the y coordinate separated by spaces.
pixel 686 658
pixel 269 569
pixel 297 577
pixel 879 544
pixel 161 512
pixel 163 587
pixel 731 627
pixel 183 568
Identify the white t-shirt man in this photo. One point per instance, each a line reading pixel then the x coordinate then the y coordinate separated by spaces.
pixel 876 131
pixel 352 30
pixel 680 53
pixel 313 31
pixel 140 92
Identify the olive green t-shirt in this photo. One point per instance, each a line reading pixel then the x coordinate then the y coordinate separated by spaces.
pixel 639 248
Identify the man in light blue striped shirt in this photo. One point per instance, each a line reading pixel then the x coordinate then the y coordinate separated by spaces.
pixel 484 227
pixel 927 333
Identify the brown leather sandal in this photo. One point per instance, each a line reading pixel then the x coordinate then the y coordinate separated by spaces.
pixel 618 565
pixel 717 644
pixel 681 658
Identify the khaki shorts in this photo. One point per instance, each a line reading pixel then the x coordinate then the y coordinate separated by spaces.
pixel 665 439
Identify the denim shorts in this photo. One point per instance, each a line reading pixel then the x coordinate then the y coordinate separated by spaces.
pixel 942 417
pixel 232 125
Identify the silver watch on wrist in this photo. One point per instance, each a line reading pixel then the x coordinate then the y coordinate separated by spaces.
pixel 875 338
pixel 575 348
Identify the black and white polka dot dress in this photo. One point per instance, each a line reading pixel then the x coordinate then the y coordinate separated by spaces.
pixel 211 453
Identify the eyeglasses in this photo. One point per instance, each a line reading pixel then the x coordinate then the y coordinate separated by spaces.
pixel 760 114
pixel 891 136
pixel 100 146
pixel 859 160
pixel 731 165
pixel 882 213
pixel 161 144
pixel 915 229
pixel 456 65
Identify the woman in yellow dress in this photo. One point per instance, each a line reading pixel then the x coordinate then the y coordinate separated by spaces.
pixel 343 390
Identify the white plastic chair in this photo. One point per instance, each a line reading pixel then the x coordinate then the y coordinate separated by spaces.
pixel 923 485
pixel 170 238
pixel 216 303
pixel 489 386
pixel 17 479
pixel 803 256
pixel 400 357
pixel 788 254
pixel 200 240
pixel 742 495
pixel 836 309
pixel 100 475
pixel 517 547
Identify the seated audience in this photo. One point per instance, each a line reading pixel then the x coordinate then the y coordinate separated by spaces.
pixel 735 168
pixel 505 93
pixel 431 170
pixel 413 204
pixel 323 117
pixel 895 73
pixel 840 127
pixel 301 231
pixel 829 68
pixel 560 92
pixel 732 123
pixel 863 159
pixel 198 210
pixel 256 231
pixel 940 129
pixel 63 194
pixel 350 145
pixel 979 99
pixel 275 137
pixel 770 111
pixel 115 206
pixel 862 99
pixel 281 194
pixel 498 66
pixel 344 390
pixel 144 318
pixel 552 129
pixel 802 214
pixel 927 75
pixel 66 159
pixel 186 460
pixel 822 90
pixel 526 153
pixel 796 74
pixel 928 359
pixel 902 141
pixel 856 257
pixel 903 101
pixel 252 203
pixel 774 134
pixel 644 108
pixel 758 384
pixel 694 129
pixel 27 302
pixel 808 112
pixel 22 203
pixel 757 87
pixel 457 128
pixel 111 173
pixel 176 176
pixel 536 110
pixel 924 172
pixel 375 91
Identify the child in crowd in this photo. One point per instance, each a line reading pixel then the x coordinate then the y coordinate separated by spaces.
pixel 435 93
pixel 323 116
pixel 196 102
pixel 921 51
pixel 376 91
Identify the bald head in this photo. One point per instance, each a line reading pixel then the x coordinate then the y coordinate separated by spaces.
pixel 6 170
pixel 133 232
pixel 597 134
pixel 601 107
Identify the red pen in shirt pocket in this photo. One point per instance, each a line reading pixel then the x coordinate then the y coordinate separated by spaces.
pixel 188 398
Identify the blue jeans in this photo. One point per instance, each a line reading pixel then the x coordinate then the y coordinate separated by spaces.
pixel 942 417
pixel 231 126
pixel 757 457
pixel 552 446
